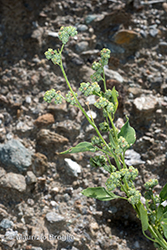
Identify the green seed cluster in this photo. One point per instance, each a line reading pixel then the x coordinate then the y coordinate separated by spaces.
pixel 98 161
pixel 113 181
pixel 52 94
pixel 123 144
pixel 102 102
pixel 105 55
pixel 104 126
pixel 53 55
pixel 115 178
pixel 70 98
pixel 96 141
pixel 134 196
pixel 66 32
pixel 151 184
pixel 89 89
pixel 98 66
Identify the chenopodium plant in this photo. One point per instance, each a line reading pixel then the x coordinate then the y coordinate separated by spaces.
pixel 151 209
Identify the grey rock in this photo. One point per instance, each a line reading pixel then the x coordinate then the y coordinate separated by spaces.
pixel 73 168
pixel 90 18
pixel 81 46
pixel 113 75
pixel 82 28
pixel 114 48
pixel 13 153
pixel 13 181
pixel 53 217
pixel 133 158
pixel 30 178
pixel 5 224
pixel 10 234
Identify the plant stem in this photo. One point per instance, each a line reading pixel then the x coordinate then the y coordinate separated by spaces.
pixel 81 108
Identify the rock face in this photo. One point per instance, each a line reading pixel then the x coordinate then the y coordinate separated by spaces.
pixel 13 153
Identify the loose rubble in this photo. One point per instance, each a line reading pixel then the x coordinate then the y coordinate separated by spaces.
pixel 41 205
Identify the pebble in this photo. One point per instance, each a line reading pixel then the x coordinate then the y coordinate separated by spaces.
pixel 55 218
pixel 125 37
pixel 44 120
pixel 82 28
pixel 13 181
pixel 6 223
pixel 82 46
pixel 30 178
pixel 145 104
pixel 72 168
pixel 113 75
pixel 14 153
pixel 132 158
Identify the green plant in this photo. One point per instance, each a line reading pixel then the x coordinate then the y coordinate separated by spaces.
pixel 152 212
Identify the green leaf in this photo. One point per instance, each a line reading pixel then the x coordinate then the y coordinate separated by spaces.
pixel 160 211
pixel 143 217
pixel 112 140
pixel 164 226
pixel 114 98
pixel 99 193
pixel 128 133
pixel 81 147
pixel 163 193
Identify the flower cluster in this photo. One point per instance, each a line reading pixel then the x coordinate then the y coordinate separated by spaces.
pixel 89 89
pixel 123 144
pixel 102 102
pixel 70 98
pixel 53 55
pixel 134 196
pixel 104 126
pixel 98 161
pixel 113 181
pixel 98 72
pixel 52 94
pixel 96 141
pixel 105 55
pixel 98 66
pixel 66 32
pixel 115 178
pixel 151 184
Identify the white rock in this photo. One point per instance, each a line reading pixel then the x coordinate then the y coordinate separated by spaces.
pixel 73 168
pixel 113 74
pixel 91 114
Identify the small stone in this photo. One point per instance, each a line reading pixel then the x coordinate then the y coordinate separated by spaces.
pixel 91 114
pixel 136 244
pixel 125 37
pixel 44 120
pixel 28 99
pixel 53 217
pixel 30 178
pixel 6 223
pixel 132 158
pixel 14 153
pixel 145 103
pixel 82 28
pixel 113 75
pixel 94 226
pixel 39 164
pixel 81 46
pixel 90 18
pixel 73 168
pixel 13 181
pixel 47 138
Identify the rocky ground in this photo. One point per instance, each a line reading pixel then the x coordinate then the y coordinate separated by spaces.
pixel 41 206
